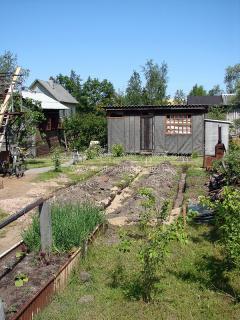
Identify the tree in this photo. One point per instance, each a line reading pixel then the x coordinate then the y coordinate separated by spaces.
pixel 179 97
pixel 156 82
pixel 236 98
pixel 9 63
pixel 134 90
pixel 232 76
pixel 96 94
pixel 215 91
pixel 197 91
pixel 81 129
pixel 71 83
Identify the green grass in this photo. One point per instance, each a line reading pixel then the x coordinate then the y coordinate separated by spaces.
pixel 3 214
pixel 192 285
pixel 71 224
pixel 38 163
pixel 70 172
pixel 196 181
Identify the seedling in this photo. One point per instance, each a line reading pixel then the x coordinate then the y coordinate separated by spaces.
pixel 20 279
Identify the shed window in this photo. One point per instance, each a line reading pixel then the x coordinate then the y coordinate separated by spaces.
pixel 178 124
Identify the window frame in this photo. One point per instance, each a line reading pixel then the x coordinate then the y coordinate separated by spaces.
pixel 176 124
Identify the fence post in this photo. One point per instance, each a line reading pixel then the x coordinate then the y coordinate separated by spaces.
pixel 46 227
pixel 2 313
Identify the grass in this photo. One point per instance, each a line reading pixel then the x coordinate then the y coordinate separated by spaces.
pixel 38 163
pixel 3 214
pixel 196 181
pixel 71 224
pixel 70 172
pixel 192 285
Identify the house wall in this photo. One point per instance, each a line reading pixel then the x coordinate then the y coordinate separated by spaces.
pixel 125 130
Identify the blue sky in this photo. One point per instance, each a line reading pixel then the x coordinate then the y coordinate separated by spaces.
pixel 110 38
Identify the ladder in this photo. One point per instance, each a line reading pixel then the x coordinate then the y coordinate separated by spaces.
pixel 4 116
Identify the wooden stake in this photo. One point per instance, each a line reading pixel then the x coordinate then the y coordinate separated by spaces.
pixel 46 227
pixel 2 313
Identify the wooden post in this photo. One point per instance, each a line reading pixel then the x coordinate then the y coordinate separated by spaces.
pixel 46 227
pixel 2 313
pixel 184 213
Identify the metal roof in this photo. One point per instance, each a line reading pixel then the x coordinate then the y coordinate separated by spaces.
pixel 207 100
pixel 46 101
pixel 56 90
pixel 159 107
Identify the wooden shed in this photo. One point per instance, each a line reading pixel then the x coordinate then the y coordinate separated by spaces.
pixel 171 129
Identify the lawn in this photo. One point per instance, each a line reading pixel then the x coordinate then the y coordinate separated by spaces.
pixel 193 283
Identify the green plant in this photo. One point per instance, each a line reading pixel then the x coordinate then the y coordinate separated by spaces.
pixel 164 212
pixel 148 204
pixel 56 159
pixel 195 154
pixel 227 221
pixel 71 225
pixel 20 279
pixel 117 150
pixel 93 152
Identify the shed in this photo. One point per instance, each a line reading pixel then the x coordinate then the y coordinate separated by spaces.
pixel 171 129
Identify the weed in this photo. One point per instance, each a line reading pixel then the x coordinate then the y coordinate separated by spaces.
pixel 117 150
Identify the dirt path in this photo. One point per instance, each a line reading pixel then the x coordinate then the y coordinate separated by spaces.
pixel 16 194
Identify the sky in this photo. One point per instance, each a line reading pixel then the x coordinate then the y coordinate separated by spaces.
pixel 108 39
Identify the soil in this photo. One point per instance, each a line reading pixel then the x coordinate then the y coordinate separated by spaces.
pixel 100 189
pixel 38 274
pixel 127 208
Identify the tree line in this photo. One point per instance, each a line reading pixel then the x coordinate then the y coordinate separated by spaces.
pixel 147 87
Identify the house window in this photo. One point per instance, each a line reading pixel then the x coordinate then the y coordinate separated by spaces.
pixel 178 124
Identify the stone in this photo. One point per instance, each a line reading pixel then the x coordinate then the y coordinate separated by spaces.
pixel 85 276
pixel 86 299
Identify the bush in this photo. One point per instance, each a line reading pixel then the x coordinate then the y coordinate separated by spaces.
pixel 227 221
pixel 195 154
pixel 56 158
pixel 93 152
pixel 117 150
pixel 71 225
pixel 81 129
pixel 229 167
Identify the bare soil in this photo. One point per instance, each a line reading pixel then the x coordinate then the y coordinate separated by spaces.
pixel 160 179
pixel 38 274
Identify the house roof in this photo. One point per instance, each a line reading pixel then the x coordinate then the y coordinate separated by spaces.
pixel 46 101
pixel 158 107
pixel 57 91
pixel 207 100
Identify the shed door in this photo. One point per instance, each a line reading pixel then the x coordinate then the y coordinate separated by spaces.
pixel 146 133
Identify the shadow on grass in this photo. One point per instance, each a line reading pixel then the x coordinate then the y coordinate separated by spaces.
pixel 210 273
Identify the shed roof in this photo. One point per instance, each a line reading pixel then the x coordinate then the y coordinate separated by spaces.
pixel 159 107
pixel 56 90
pixel 208 100
pixel 46 101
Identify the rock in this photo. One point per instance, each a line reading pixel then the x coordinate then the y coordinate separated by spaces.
pixel 85 276
pixel 86 299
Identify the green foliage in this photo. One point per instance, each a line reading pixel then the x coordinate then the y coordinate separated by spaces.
pixel 232 77
pixel 215 91
pixel 179 97
pixel 156 83
pixel 93 151
pixel 229 166
pixel 117 150
pixel 56 159
pixel 197 91
pixel 81 129
pixel 134 90
pixel 236 100
pixel 164 212
pixel 195 154
pixel 217 113
pixel 227 221
pixel 71 225
pixel 20 279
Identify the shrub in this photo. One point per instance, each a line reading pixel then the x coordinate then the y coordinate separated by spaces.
pixel 227 221
pixel 117 150
pixel 93 152
pixel 71 225
pixel 194 154
pixel 56 158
